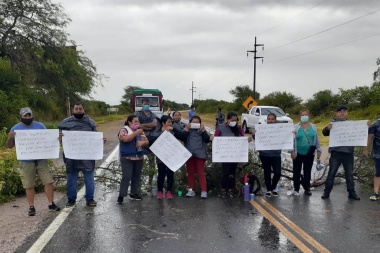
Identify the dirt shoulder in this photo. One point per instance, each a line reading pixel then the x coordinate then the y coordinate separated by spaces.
pixel 15 223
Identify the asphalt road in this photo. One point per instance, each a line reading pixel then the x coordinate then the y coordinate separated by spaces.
pixel 282 224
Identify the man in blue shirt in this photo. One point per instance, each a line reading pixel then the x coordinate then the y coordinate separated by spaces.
pixel 191 112
pixel 30 168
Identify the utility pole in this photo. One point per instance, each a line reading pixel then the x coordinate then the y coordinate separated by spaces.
pixel 199 96
pixel 254 65
pixel 192 92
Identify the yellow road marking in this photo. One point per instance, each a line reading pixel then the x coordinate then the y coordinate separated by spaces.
pixel 296 228
pixel 281 227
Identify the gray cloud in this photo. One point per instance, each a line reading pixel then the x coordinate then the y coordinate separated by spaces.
pixel 168 44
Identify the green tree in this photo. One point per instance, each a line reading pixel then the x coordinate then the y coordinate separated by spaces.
pixel 322 101
pixel 284 100
pixel 128 92
pixel 26 24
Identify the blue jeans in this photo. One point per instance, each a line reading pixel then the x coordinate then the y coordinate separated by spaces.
pixel 72 180
pixel 336 159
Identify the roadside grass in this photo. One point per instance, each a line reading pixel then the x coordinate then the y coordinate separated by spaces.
pixel 103 119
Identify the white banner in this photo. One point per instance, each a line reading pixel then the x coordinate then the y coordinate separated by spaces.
pixel 170 151
pixel 37 144
pixel 230 149
pixel 277 136
pixel 349 133
pixel 83 145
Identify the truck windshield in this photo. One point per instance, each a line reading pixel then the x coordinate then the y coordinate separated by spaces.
pixel 153 101
pixel 277 111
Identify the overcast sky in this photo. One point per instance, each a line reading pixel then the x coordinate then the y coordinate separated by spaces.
pixel 168 44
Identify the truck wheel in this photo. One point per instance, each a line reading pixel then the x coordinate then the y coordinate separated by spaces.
pixel 245 128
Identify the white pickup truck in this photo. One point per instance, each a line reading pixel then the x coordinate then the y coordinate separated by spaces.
pixel 258 115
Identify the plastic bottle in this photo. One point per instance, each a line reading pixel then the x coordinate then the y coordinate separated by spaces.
pixel 246 188
pixel 139 149
pixel 319 165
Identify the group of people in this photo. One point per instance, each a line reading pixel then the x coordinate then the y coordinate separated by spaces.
pixel 29 169
pixel 143 128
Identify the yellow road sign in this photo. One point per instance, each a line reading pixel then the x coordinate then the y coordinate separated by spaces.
pixel 249 102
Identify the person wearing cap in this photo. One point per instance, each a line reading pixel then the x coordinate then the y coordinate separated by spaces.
pixel 340 155
pixel 79 122
pixel 30 168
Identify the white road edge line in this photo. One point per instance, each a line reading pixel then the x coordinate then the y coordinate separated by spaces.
pixel 41 242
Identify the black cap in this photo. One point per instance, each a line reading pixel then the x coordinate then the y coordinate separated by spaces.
pixel 341 107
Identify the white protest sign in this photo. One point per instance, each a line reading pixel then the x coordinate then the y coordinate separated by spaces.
pixel 274 136
pixel 229 149
pixel 37 144
pixel 349 133
pixel 83 145
pixel 170 151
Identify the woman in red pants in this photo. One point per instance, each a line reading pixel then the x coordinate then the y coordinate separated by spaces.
pixel 195 141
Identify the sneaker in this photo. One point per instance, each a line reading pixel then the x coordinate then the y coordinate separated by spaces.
pixel 32 211
pixel 91 202
pixel 53 207
pixel 160 195
pixel 308 193
pixel 353 196
pixel 120 200
pixel 134 197
pixel 296 193
pixel 169 195
pixel 70 203
pixel 274 194
pixel 325 195
pixel 374 197
pixel 190 193
pixel 268 194
pixel 204 195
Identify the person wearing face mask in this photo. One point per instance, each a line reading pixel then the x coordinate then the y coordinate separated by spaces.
pixel 271 160
pixel 195 141
pixel 147 119
pixel 30 168
pixel 229 128
pixel 163 170
pixel 79 121
pixel 177 124
pixel 306 145
pixel 131 141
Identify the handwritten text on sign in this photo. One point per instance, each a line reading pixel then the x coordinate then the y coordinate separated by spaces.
pixel 170 151
pixel 230 149
pixel 349 133
pixel 82 145
pixel 274 136
pixel 37 144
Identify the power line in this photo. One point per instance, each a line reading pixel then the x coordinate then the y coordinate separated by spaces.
pixel 319 50
pixel 347 22
pixel 286 20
